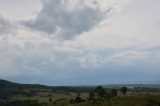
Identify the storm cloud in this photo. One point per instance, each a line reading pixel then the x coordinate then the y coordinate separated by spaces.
pixel 67 19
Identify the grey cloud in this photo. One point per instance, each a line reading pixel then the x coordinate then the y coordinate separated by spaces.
pixel 54 18
pixel 6 27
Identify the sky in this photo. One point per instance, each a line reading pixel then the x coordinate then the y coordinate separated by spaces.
pixel 80 42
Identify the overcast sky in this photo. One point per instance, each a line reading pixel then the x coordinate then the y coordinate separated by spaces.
pixel 80 42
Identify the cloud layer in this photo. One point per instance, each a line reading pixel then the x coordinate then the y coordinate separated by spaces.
pixel 103 47
pixel 67 19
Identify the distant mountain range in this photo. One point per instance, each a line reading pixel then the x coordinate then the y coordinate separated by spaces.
pixel 9 84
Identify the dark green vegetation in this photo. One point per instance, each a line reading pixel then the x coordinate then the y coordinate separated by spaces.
pixel 14 94
pixel 123 90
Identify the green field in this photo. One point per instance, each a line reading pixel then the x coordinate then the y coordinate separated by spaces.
pixel 63 99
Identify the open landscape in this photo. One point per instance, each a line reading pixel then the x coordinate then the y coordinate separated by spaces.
pixel 79 52
pixel 14 94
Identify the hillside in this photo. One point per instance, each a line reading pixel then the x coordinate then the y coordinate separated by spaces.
pixel 8 88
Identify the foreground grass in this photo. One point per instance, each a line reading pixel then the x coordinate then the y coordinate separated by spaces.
pixel 140 100
pixel 137 100
pixel 82 104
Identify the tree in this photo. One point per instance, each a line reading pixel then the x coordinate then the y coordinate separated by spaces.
pixel 101 92
pixel 78 99
pixel 123 90
pixel 101 96
pixel 50 99
pixel 114 92
pixel 91 95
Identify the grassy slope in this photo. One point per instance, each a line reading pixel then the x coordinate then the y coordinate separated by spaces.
pixel 140 100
